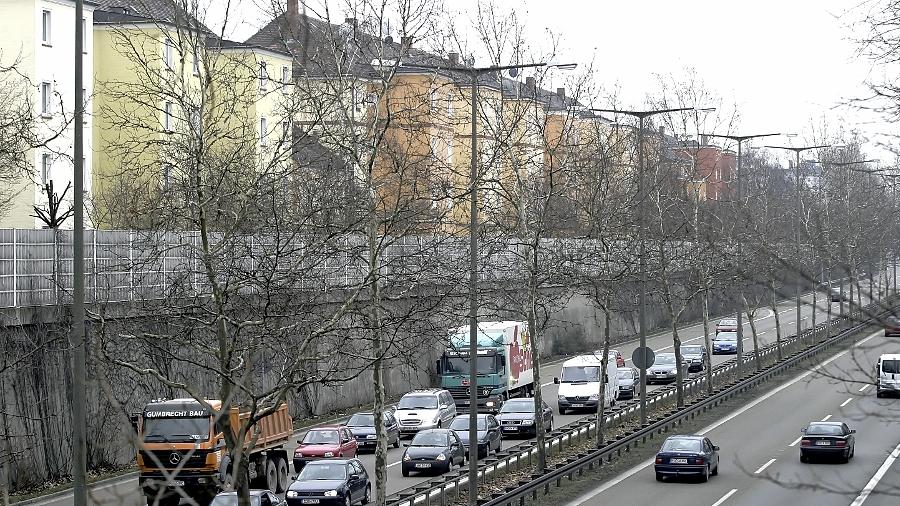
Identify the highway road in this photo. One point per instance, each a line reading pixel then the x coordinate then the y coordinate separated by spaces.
pixel 759 456
pixel 126 491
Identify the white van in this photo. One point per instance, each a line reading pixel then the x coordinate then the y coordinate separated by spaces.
pixel 579 383
pixel 887 374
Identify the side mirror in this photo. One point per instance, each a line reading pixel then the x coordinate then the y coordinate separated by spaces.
pixel 354 477
pixel 803 430
pixel 716 448
pixel 299 441
pixel 406 445
pixel 556 380
pixel 437 364
pixel 852 431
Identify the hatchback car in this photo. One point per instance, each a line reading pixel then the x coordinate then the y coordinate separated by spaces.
pixel 362 426
pixel 827 439
pixel 257 498
pixel 725 342
pixel 836 295
pixel 433 450
pixel 726 325
pixel 338 481
pixel 323 443
pixel 664 369
pixel 687 456
pixel 892 326
pixel 629 382
pixel 424 409
pixel 695 356
pixel 489 437
pixel 516 417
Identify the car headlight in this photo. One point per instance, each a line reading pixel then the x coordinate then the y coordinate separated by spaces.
pixel 672 371
pixel 292 493
pixel 527 422
pixel 406 457
pixel 594 397
pixel 441 457
pixel 561 397
pixel 298 453
pixel 330 493
pixel 329 454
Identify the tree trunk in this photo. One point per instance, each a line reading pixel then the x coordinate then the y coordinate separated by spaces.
pixel 777 319
pixel 707 365
pixel 601 394
pixel 750 314
pixel 536 342
pixel 377 369
pixel 679 377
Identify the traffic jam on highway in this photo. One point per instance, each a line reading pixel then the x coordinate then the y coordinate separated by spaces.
pixel 428 429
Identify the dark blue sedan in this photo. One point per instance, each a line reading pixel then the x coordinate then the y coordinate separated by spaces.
pixel 725 342
pixel 687 456
pixel 331 481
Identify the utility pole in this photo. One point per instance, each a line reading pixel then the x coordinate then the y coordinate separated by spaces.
pixel 77 338
pixel 740 203
pixel 642 248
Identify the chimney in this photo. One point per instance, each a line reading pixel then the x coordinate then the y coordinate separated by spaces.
pixel 561 92
pixel 293 13
pixel 350 22
pixel 454 58
pixel 529 83
pixel 406 41
pixel 704 140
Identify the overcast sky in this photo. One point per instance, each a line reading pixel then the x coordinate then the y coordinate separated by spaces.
pixel 787 64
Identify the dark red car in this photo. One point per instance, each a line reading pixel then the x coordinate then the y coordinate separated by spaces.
pixel 324 442
pixel 892 326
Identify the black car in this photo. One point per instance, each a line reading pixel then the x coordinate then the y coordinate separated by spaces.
pixel 516 417
pixel 332 481
pixel 629 382
pixel 362 426
pixel 694 355
pixel 257 498
pixel 827 439
pixel 687 456
pixel 433 450
pixel 489 437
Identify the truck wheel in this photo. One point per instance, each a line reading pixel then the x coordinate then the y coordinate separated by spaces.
pixel 282 469
pixel 271 476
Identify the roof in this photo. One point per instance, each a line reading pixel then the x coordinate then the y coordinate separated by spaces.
pixel 255 491
pixel 584 360
pixel 889 356
pixel 826 423
pixel 134 11
pixel 477 415
pixel 687 436
pixel 424 391
pixel 325 427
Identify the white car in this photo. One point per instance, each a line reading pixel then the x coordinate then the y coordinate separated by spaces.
pixel 425 409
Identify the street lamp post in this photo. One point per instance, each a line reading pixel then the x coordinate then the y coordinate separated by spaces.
pixel 474 176
pixel 797 152
pixel 642 251
pixel 740 320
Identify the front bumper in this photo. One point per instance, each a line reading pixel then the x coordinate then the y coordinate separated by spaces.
pixel 495 401
pixel 441 466
pixel 314 499
pixel 626 393
pixel 680 469
pixel 695 366
pixel 888 387
pixel 669 376
pixel 412 429
pixel 155 484
pixel 723 350
pixel 514 429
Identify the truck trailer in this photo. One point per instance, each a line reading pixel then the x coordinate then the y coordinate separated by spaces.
pixel 503 362
pixel 182 446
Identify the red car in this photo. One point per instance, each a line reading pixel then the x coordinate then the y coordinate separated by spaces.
pixel 620 360
pixel 727 325
pixel 322 443
pixel 892 326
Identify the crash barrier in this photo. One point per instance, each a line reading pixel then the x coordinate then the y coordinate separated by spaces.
pixel 447 488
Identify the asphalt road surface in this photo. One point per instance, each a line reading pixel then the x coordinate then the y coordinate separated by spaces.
pixel 126 491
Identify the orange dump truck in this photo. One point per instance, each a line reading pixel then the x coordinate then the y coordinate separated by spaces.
pixel 183 446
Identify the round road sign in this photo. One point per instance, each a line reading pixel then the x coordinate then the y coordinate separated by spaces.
pixel 643 358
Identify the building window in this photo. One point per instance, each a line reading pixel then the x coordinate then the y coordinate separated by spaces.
pixel 285 131
pixel 263 76
pixel 85 105
pixel 46 99
pixel 166 176
pixel 84 36
pixel 285 78
pixel 167 117
pixel 434 102
pixel 263 131
pixel 196 63
pixel 45 28
pixel 45 168
pixel 169 54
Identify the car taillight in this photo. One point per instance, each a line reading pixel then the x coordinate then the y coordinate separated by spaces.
pixel 700 460
pixel 659 460
pixel 805 442
pixel 840 443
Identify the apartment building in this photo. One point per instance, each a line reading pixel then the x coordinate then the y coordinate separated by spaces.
pixel 37 37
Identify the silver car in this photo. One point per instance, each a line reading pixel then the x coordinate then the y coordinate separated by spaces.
pixel 629 382
pixel 664 369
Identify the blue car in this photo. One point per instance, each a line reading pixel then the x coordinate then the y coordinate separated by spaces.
pixel 342 482
pixel 687 456
pixel 724 342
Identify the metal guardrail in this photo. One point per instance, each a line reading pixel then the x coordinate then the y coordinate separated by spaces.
pixel 438 491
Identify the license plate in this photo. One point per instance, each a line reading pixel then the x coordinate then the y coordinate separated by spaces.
pixel 309 501
pixel 678 461
pixel 577 405
pixel 176 483
pixel 510 429
pixel 371 437
pixel 823 443
pixel 423 465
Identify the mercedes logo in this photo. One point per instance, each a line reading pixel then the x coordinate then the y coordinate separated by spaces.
pixel 174 458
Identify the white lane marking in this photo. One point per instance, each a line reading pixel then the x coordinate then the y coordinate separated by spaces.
pixel 763 467
pixel 826 418
pixel 864 387
pixel 550 383
pixel 846 402
pixel 796 441
pixel 867 490
pixel 725 497
pixel 636 469
pixel 395 463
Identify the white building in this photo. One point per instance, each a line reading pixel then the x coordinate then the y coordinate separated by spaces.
pixel 38 36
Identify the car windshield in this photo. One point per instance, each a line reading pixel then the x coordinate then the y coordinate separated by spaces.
pixel 682 445
pixel 429 439
pixel 664 359
pixel 418 402
pixel 625 374
pixel 176 430
pixel 821 429
pixel 728 323
pixel 518 406
pixel 890 366
pixel 361 420
pixel 323 471
pixel 726 336
pixel 460 365
pixel 578 374
pixel 232 500
pixel 318 437
pixel 691 350
pixel 462 423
